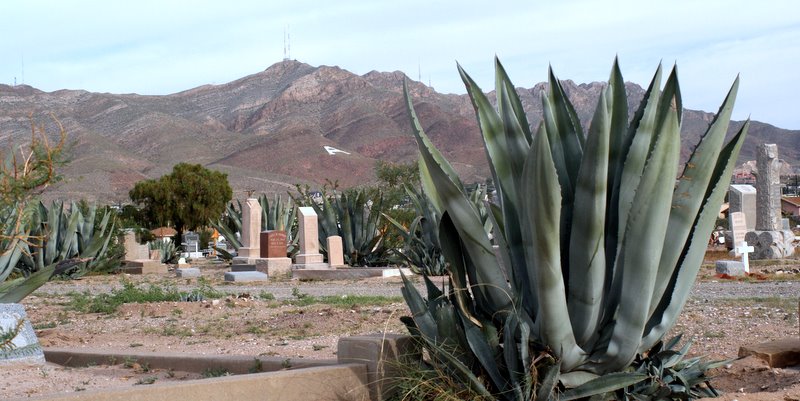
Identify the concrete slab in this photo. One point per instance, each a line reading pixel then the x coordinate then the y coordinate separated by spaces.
pixel 144 266
pixel 275 268
pixel 187 272
pixel 243 267
pixel 778 353
pixel 347 274
pixel 245 276
pixel 396 272
pixel 383 354
pixel 26 350
pixel 730 267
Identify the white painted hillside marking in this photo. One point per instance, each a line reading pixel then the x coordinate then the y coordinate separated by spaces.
pixel 332 151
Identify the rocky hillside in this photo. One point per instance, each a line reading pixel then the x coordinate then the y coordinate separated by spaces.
pixel 269 130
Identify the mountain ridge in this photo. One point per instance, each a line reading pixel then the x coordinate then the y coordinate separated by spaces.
pixel 267 130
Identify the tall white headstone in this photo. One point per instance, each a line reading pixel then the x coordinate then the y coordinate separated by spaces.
pixel 251 229
pixel 308 256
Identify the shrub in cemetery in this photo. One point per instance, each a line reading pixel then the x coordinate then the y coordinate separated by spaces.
pixel 600 246
pixel 190 197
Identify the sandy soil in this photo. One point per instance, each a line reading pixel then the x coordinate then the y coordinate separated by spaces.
pixel 720 317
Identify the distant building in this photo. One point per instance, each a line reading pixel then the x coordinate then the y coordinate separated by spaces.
pixel 790 205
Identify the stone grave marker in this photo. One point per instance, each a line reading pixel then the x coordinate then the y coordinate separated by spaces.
pixel 738 224
pixel 745 250
pixel 769 238
pixel 309 256
pixel 24 348
pixel 768 189
pixel 133 249
pixel 742 198
pixel 137 258
pixel 335 254
pixel 251 230
pixel 273 244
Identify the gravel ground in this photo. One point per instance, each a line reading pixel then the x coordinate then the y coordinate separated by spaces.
pixel 703 290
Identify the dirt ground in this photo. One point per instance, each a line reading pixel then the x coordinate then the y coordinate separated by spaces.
pixel 269 319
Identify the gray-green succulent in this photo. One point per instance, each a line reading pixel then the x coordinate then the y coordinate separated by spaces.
pixel 599 243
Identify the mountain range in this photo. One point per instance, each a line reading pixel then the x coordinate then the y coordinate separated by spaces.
pixel 269 131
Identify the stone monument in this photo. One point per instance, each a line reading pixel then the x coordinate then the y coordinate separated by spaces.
pixel 137 258
pixel 742 198
pixel 251 230
pixel 738 225
pixel 769 239
pixel 309 256
pixel 273 260
pixel 335 254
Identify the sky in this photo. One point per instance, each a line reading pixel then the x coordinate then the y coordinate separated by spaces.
pixel 162 47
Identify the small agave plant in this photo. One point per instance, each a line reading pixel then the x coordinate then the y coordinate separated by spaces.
pixel 599 246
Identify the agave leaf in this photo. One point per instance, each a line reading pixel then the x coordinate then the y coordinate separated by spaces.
pixel 482 349
pixel 501 155
pixel 22 287
pixel 646 229
pixel 643 125
pixel 602 384
pixel 631 156
pixel 587 260
pixel 686 202
pixel 493 291
pixel 548 383
pixel 683 278
pixel 542 216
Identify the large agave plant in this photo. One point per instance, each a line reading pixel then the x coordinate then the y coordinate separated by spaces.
pixel 355 216
pixel 67 234
pixel 421 250
pixel 600 245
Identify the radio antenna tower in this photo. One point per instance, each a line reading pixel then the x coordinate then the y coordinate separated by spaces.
pixel 287 44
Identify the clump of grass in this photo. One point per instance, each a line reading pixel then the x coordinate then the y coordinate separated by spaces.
pixel 342 301
pixel 266 296
pixel 147 380
pixel 131 293
pixel 215 372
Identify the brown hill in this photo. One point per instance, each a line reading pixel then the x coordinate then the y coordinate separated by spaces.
pixel 267 130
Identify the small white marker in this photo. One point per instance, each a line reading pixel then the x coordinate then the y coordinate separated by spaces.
pixel 745 250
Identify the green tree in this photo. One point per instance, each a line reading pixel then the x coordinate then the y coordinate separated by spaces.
pixel 393 179
pixel 187 198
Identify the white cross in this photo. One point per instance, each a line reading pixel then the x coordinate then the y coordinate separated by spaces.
pixel 744 250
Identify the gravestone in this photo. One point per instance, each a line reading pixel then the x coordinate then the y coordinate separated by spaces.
pixel 732 268
pixel 155 254
pixel 245 276
pixel 309 256
pixel 187 272
pixel 769 239
pixel 251 231
pixel 335 255
pixel 133 249
pixel 137 258
pixel 190 241
pixel 24 348
pixel 274 261
pixel 768 189
pixel 738 224
pixel 742 198
pixel 273 244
